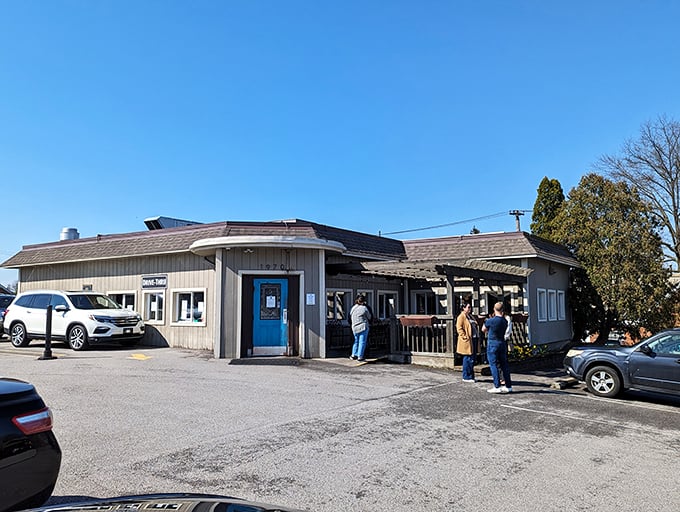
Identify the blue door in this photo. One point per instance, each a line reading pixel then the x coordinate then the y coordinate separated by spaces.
pixel 270 317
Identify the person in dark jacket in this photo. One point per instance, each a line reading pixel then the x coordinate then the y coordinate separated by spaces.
pixel 497 350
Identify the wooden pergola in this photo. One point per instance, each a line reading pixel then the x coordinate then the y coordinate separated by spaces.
pixel 479 271
pixel 438 269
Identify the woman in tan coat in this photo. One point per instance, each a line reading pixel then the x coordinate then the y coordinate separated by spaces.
pixel 468 337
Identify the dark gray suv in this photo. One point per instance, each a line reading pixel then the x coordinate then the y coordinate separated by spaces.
pixel 652 364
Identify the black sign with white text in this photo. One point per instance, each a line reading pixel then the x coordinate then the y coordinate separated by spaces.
pixel 160 281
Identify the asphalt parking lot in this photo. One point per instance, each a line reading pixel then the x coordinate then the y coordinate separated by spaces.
pixel 328 435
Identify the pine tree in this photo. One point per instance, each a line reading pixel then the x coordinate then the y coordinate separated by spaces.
pixel 549 202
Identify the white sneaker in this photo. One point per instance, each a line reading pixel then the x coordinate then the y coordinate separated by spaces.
pixel 494 390
pixel 469 380
pixel 506 390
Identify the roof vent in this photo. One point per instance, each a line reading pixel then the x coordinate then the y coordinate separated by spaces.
pixel 69 234
pixel 153 223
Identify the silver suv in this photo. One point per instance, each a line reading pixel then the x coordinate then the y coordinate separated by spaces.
pixel 79 318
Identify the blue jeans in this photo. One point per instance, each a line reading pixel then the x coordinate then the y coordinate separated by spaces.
pixel 359 347
pixel 469 362
pixel 497 354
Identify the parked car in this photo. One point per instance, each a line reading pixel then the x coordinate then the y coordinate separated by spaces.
pixel 79 318
pixel 30 456
pixel 180 502
pixel 4 302
pixel 650 365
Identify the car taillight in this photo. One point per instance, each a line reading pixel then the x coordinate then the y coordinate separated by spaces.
pixel 34 422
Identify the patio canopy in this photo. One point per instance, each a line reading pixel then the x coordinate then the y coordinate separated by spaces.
pixel 438 269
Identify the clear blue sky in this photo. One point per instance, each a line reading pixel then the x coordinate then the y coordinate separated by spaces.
pixel 377 116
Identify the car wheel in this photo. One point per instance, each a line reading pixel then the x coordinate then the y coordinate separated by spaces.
pixel 77 337
pixel 18 336
pixel 603 381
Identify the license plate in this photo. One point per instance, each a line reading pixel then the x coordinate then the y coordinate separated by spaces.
pixel 127 331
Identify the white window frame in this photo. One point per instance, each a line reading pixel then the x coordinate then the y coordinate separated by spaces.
pixel 176 306
pixel 346 302
pixel 552 305
pixel 124 293
pixel 145 307
pixel 383 293
pixel 542 304
pixel 561 305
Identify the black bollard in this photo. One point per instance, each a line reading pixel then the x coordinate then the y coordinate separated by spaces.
pixel 47 354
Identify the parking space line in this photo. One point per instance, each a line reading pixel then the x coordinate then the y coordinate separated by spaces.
pixel 570 417
pixel 579 418
pixel 28 353
pixel 662 408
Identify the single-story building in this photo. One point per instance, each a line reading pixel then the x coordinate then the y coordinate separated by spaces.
pixel 243 289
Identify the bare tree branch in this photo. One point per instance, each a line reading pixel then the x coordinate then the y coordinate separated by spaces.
pixel 651 165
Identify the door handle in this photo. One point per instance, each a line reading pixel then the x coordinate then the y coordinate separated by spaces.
pixel 285 316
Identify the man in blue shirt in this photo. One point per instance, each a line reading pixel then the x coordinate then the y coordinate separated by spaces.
pixel 497 349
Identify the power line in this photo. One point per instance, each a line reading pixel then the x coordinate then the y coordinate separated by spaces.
pixel 493 215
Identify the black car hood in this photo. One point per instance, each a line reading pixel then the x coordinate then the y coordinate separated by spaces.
pixel 177 502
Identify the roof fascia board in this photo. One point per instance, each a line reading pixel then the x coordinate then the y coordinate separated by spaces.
pixel 209 245
pixel 555 259
pixel 99 258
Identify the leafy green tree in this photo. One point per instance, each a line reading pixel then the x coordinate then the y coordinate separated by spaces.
pixel 586 305
pixel 651 164
pixel 623 283
pixel 549 202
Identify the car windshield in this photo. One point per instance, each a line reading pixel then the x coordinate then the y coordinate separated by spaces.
pixel 92 301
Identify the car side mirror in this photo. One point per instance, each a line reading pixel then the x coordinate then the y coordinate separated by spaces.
pixel 60 308
pixel 646 350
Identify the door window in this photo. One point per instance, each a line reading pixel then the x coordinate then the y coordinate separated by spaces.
pixel 668 345
pixel 270 301
pixel 40 301
pixel 58 300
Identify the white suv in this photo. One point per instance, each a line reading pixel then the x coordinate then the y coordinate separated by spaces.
pixel 79 318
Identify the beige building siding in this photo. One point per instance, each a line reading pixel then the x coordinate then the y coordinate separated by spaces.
pixel 184 271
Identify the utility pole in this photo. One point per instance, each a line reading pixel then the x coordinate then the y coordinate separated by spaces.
pixel 517 213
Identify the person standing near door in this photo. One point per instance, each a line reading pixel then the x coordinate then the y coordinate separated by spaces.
pixel 360 317
pixel 466 327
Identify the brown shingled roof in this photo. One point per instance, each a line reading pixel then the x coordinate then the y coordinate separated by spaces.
pixel 511 245
pixel 174 240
